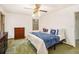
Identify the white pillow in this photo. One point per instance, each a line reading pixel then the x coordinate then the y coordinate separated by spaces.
pixel 48 32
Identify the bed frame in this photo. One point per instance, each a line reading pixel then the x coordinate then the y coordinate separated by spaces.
pixel 60 42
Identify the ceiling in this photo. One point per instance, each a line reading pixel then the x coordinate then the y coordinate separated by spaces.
pixel 27 8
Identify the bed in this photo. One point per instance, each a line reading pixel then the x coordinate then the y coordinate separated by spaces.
pixel 42 41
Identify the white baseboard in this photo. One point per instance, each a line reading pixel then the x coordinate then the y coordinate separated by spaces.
pixel 69 44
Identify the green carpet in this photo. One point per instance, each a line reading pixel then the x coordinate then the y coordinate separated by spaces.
pixel 21 46
pixel 24 46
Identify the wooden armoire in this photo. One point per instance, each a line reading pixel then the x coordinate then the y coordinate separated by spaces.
pixel 19 33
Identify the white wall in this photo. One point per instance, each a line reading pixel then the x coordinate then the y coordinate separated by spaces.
pixel 64 18
pixel 16 20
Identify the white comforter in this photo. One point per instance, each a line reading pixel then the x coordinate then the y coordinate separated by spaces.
pixel 38 43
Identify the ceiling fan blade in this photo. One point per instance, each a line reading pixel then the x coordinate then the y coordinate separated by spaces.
pixel 36 8
pixel 43 10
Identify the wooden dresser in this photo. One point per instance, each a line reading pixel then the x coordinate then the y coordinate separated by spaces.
pixel 3 42
pixel 19 33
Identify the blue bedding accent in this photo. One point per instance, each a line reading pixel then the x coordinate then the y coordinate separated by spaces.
pixel 49 39
pixel 53 32
pixel 57 32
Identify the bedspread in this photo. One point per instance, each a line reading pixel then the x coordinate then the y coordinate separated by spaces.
pixel 49 39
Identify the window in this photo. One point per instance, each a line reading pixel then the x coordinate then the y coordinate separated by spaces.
pixel 35 24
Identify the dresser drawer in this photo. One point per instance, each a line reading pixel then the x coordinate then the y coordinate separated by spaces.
pixel 2 50
pixel 0 45
pixel 3 42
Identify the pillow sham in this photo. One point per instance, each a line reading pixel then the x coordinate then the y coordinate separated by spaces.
pixel 53 31
pixel 45 30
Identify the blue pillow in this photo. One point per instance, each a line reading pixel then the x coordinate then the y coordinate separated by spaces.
pixel 53 32
pixel 57 32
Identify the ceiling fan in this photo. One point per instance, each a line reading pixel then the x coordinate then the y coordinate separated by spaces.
pixel 36 8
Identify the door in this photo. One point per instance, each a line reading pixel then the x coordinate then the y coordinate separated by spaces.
pixel 2 20
pixel 19 33
pixel 2 23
